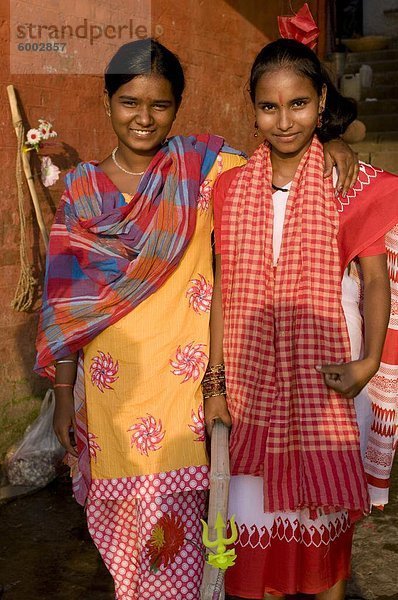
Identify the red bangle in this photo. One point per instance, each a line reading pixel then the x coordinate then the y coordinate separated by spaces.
pixel 63 385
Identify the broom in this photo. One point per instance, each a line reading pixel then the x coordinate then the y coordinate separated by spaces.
pixel 23 298
pixel 18 126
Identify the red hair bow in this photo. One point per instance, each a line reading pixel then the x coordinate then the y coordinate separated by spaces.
pixel 301 27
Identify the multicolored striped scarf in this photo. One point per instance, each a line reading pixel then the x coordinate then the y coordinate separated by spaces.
pixel 106 256
pixel 287 426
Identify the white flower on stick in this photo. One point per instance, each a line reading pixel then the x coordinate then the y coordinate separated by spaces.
pixel 33 138
pixel 46 129
pixel 49 171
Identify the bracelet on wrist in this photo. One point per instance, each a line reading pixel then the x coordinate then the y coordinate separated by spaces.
pixel 213 383
pixel 207 396
pixel 65 360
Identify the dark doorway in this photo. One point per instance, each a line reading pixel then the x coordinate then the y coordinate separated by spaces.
pixel 349 18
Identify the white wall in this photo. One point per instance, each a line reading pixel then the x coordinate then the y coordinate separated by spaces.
pixel 375 22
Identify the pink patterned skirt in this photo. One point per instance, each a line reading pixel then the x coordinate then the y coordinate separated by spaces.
pixel 151 545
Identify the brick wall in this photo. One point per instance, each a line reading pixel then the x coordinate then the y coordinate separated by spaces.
pixel 216 41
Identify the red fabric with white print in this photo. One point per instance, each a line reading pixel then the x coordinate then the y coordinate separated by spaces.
pixel 368 212
pixel 383 392
pixel 125 488
pixel 274 564
pixel 151 545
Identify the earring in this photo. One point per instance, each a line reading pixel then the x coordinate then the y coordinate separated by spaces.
pixel 255 134
pixel 108 112
pixel 320 119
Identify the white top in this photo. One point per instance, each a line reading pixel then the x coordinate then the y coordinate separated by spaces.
pixel 279 201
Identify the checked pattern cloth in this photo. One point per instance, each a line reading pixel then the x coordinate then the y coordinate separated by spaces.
pixel 288 427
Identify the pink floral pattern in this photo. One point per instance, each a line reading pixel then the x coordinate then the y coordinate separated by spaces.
pixel 198 424
pixel 147 434
pixel 93 446
pixel 204 196
pixel 199 294
pixel 103 371
pixel 189 361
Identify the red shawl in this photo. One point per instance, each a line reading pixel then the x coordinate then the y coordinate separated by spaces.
pixel 287 426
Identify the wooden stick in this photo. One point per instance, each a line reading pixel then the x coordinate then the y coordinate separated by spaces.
pixel 16 121
pixel 218 499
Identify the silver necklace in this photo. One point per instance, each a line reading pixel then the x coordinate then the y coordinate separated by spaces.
pixel 120 166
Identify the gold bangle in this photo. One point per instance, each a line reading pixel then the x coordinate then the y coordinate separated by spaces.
pixel 217 372
pixel 215 369
pixel 221 393
pixel 213 382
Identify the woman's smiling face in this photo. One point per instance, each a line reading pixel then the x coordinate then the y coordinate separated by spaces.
pixel 142 113
pixel 287 109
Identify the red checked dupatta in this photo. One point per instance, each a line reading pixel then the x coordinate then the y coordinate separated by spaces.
pixel 287 426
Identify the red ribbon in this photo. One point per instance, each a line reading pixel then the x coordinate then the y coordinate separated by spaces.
pixel 301 27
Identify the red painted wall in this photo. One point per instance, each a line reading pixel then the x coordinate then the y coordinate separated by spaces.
pixel 216 41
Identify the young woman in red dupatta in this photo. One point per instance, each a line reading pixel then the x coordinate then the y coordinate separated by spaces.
pixel 290 259
pixel 125 328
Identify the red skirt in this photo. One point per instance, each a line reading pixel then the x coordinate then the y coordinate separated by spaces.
pixel 284 553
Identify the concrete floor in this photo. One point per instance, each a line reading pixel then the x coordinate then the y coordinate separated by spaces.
pixel 47 554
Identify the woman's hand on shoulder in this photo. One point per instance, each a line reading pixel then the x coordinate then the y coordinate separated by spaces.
pixel 216 408
pixel 348 379
pixel 64 421
pixel 338 153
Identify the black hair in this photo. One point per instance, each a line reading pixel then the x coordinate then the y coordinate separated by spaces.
pixel 144 57
pixel 285 53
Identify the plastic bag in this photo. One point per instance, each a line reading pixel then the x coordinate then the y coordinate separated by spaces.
pixel 35 460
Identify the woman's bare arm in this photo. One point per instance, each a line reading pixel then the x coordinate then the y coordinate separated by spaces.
pixel 348 379
pixel 216 406
pixel 338 153
pixel 64 414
